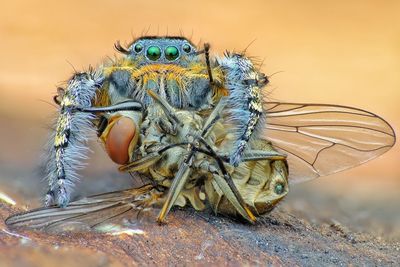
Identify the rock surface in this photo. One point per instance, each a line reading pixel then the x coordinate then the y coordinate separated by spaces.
pixel 199 238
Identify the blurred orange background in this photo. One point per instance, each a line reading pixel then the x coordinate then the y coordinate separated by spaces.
pixel 339 52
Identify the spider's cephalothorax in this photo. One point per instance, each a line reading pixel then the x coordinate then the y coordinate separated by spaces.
pixel 170 66
pixel 115 96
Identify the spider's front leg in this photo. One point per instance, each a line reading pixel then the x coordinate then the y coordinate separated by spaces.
pixel 244 83
pixel 84 98
pixel 67 146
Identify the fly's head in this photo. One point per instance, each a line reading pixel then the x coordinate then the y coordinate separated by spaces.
pixel 152 50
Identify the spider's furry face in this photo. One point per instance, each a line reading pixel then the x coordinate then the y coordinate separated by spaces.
pixel 163 50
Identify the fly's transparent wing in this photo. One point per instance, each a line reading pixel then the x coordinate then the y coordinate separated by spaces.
pixel 86 213
pixel 322 139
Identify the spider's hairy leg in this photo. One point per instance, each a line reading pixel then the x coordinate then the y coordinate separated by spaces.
pixel 73 128
pixel 244 84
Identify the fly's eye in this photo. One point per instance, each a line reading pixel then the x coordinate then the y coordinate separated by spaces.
pixel 186 48
pixel 138 48
pixel 153 53
pixel 279 188
pixel 171 53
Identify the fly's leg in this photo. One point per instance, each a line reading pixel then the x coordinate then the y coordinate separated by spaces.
pixel 225 181
pixel 185 167
pixel 169 111
pixel 255 155
pixel 244 83
pixel 148 160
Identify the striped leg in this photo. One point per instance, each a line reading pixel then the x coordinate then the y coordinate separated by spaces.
pixel 68 149
pixel 244 83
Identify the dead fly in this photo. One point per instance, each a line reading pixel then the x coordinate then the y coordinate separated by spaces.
pixel 200 129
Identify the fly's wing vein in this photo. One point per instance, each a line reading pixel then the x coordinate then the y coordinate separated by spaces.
pixel 322 139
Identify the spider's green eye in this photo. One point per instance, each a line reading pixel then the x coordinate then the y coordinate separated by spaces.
pixel 279 188
pixel 186 48
pixel 153 53
pixel 171 53
pixel 138 48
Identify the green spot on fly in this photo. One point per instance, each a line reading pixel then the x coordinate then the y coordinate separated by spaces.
pixel 279 188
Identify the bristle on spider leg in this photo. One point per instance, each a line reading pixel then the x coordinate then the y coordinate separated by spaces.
pixel 68 149
pixel 244 100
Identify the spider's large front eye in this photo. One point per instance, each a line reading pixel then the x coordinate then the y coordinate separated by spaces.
pixel 171 53
pixel 138 48
pixel 153 53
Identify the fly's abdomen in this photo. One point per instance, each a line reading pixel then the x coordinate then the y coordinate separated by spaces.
pixel 262 184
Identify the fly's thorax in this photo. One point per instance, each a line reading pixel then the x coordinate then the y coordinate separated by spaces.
pixel 158 131
pixel 192 124
pixel 262 184
pixel 164 170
